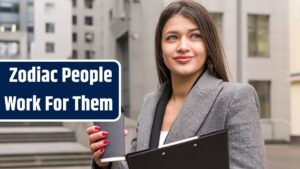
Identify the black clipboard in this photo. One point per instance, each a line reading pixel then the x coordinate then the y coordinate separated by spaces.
pixel 208 151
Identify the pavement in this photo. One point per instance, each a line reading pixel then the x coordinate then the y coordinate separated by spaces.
pixel 283 156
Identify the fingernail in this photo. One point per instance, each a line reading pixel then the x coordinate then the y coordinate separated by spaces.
pixel 97 128
pixel 105 142
pixel 104 133
pixel 101 150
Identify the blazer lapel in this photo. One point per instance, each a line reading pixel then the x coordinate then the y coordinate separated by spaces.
pixel 189 120
pixel 195 108
pixel 146 120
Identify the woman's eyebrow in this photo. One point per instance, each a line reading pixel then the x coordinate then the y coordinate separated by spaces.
pixel 170 32
pixel 194 29
pixel 174 31
pixel 190 30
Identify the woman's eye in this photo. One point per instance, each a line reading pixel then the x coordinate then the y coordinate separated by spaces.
pixel 196 35
pixel 171 37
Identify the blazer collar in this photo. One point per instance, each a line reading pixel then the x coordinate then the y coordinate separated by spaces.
pixel 191 116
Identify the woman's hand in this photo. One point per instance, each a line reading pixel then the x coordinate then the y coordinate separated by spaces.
pixel 97 143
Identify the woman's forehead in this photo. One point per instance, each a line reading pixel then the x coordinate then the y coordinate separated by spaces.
pixel 179 22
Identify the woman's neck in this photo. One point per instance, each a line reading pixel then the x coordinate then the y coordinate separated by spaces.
pixel 182 85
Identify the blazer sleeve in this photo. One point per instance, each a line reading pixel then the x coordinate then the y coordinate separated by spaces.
pixel 246 146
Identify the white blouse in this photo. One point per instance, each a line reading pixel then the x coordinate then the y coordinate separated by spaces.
pixel 162 138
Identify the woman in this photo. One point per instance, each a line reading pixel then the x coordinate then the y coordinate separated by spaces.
pixel 194 97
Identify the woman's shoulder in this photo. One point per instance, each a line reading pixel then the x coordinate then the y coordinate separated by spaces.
pixel 240 101
pixel 150 95
pixel 155 93
pixel 238 89
pixel 239 92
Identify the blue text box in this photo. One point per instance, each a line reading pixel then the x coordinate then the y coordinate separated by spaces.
pixel 60 90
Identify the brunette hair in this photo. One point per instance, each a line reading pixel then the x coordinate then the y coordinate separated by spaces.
pixel 215 62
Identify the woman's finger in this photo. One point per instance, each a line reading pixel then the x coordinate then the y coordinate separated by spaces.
pixel 126 132
pixel 97 136
pixel 97 157
pixel 98 145
pixel 92 129
pixel 97 154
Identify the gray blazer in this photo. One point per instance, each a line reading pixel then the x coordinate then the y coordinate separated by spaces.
pixel 211 105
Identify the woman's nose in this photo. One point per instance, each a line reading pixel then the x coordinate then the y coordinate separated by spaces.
pixel 183 45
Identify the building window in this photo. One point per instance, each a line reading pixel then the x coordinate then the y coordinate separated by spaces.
pixel 74 3
pixel 74 20
pixel 122 44
pixel 89 37
pixel 74 54
pixel 258 35
pixel 263 89
pixel 9 27
pixel 49 8
pixel 89 4
pixel 89 54
pixel 50 48
pixel 30 3
pixel 9 7
pixel 30 29
pixel 110 14
pixel 88 20
pixel 50 28
pixel 218 18
pixel 29 12
pixel 74 37
pixel 9 49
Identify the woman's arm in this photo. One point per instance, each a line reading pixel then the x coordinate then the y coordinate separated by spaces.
pixel 246 146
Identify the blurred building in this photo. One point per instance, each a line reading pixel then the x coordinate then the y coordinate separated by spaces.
pixel 39 29
pixel 16 27
pixel 118 29
pixel 254 35
pixel 90 35
pixel 87 31
pixel 35 29
pixel 52 29
pixel 294 41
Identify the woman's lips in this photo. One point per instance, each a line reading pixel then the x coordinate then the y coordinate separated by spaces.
pixel 183 59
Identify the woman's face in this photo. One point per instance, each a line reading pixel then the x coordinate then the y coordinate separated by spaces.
pixel 184 51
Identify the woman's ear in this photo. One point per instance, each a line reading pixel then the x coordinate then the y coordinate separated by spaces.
pixel 210 65
pixel 163 58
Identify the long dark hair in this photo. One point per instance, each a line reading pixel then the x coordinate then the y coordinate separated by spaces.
pixel 215 63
